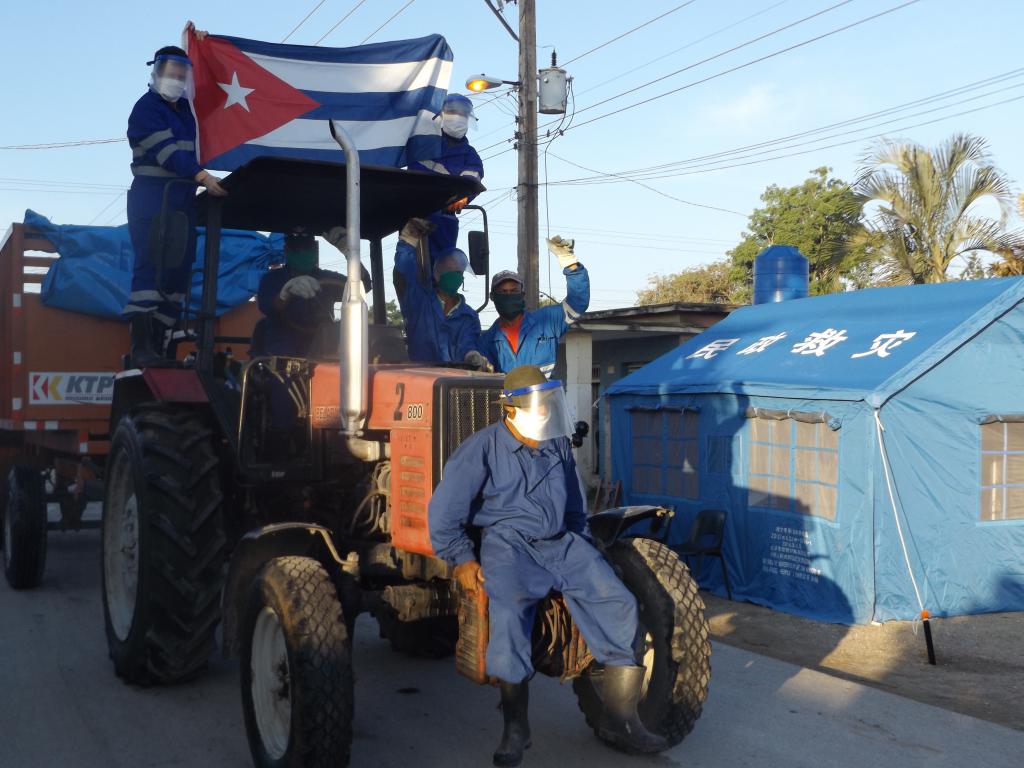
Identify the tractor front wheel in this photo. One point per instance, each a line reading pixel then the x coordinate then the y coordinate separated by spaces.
pixel 296 668
pixel 672 641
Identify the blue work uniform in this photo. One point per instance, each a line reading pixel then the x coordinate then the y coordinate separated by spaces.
pixel 163 141
pixel 529 505
pixel 431 335
pixel 541 329
pixel 457 158
pixel 290 331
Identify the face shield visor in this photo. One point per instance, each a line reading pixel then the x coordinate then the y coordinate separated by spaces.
pixel 171 77
pixel 541 411
pixel 457 116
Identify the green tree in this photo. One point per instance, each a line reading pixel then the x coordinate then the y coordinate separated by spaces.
pixel 821 217
pixel 705 284
pixel 393 312
pixel 928 214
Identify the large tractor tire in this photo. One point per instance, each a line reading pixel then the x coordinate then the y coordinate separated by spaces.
pixel 24 528
pixel 672 642
pixel 430 638
pixel 163 545
pixel 296 668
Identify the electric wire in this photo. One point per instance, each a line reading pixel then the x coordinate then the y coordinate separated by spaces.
pixel 629 32
pixel 339 22
pixel 106 207
pixel 64 144
pixel 394 16
pixel 304 20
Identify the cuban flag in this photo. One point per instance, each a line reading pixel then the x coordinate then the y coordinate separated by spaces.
pixel 254 99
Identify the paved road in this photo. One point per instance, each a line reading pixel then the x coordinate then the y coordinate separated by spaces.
pixel 60 705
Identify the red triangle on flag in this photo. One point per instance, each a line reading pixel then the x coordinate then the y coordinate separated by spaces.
pixel 236 99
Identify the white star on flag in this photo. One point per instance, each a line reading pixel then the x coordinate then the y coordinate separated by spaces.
pixel 886 342
pixel 236 93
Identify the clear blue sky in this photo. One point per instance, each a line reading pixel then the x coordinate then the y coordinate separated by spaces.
pixel 73 70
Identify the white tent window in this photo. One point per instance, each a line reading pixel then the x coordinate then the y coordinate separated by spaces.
pixel 665 452
pixel 794 465
pixel 1002 471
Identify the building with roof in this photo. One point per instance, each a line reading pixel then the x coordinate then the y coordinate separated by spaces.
pixel 868 448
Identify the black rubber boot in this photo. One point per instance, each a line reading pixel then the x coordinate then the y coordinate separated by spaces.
pixel 620 724
pixel 144 351
pixel 515 700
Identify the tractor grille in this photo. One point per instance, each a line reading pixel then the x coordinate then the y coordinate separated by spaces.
pixel 467 411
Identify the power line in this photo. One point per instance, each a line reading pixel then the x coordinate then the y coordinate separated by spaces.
pixel 629 32
pixel 64 144
pixel 304 20
pixel 61 183
pixel 718 55
pixel 106 208
pixel 392 18
pixel 339 22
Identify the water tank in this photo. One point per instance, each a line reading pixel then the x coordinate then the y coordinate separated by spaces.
pixel 780 274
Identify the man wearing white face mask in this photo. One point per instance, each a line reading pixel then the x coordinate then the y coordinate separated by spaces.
pixel 457 158
pixel 162 135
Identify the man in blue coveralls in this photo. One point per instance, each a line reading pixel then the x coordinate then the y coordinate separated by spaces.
pixel 457 158
pixel 518 337
pixel 517 481
pixel 439 326
pixel 162 135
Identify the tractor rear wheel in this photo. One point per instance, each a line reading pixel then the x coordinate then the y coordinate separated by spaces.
pixel 672 641
pixel 24 528
pixel 296 668
pixel 163 545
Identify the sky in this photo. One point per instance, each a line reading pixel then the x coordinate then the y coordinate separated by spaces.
pixel 73 70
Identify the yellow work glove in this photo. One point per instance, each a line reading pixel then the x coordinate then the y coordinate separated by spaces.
pixel 563 251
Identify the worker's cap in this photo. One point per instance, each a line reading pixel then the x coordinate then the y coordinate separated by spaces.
pixel 170 53
pixel 459 104
pixel 452 260
pixel 507 274
pixel 521 380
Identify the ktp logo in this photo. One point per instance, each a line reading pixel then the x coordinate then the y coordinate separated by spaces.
pixel 75 388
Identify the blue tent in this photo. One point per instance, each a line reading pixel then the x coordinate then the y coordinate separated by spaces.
pixel 868 447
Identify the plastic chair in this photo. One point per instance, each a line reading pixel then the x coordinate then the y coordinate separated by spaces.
pixel 706 539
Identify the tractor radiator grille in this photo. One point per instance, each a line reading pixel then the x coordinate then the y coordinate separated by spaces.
pixel 467 411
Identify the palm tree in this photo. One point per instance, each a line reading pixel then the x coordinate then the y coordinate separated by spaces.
pixel 928 214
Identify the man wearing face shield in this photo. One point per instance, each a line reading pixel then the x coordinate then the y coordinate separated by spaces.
pixel 162 135
pixel 516 480
pixel 519 337
pixel 440 327
pixel 457 158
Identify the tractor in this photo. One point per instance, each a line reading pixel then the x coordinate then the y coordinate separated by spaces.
pixel 212 517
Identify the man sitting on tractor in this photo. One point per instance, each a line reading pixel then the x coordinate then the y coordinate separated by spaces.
pixel 517 481
pixel 440 327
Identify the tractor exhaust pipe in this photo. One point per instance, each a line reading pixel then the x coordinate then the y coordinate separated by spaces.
pixel 354 352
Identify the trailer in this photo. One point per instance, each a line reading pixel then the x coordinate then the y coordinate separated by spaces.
pixel 57 374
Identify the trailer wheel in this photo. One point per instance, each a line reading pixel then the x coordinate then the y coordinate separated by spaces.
pixel 24 528
pixel 163 545
pixel 296 668
pixel 672 641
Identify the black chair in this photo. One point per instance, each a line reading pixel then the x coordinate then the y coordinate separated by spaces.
pixel 706 539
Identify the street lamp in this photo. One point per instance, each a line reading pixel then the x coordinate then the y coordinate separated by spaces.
pixel 480 83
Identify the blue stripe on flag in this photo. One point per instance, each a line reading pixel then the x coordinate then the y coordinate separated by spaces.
pixel 398 51
pixel 374 106
pixel 395 157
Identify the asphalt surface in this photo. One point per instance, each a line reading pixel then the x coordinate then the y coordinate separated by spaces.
pixel 60 705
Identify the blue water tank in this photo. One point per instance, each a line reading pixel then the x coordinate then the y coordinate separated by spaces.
pixel 780 274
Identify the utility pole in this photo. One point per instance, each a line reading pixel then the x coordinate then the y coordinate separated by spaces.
pixel 528 228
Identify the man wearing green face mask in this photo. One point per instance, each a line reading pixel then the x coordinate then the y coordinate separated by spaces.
pixel 297 300
pixel 439 326
pixel 520 338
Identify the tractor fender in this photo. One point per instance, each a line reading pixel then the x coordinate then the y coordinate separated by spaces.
pixel 256 549
pixel 163 385
pixel 610 525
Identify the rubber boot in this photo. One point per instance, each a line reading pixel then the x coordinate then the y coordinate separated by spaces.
pixel 515 700
pixel 144 352
pixel 620 723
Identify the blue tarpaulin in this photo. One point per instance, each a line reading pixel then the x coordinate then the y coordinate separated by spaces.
pixel 93 273
pixel 776 415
